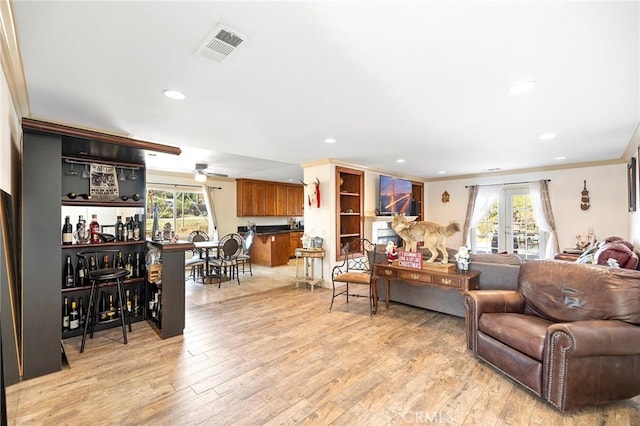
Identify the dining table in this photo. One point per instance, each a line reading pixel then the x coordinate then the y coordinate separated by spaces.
pixel 208 250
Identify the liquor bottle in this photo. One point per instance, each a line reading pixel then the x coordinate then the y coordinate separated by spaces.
pixel 67 273
pixel 119 260
pixel 137 271
pixel 74 319
pixel 136 228
pixel 81 274
pixel 120 236
pixel 129 228
pixel 136 302
pixel 65 314
pixel 67 232
pixel 94 227
pixel 129 266
pixel 111 310
pixel 103 307
pixel 105 262
pixel 129 303
pixel 81 314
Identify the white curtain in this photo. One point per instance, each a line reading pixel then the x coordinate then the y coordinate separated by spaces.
pixel 485 197
pixel 541 205
pixel 211 212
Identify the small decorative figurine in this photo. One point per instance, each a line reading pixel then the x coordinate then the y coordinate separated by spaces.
pixel 392 251
pixel 462 258
pixel 445 197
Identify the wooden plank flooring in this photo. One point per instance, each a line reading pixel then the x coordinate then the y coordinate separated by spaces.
pixel 266 352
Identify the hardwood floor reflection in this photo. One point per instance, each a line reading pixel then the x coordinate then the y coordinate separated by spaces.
pixel 266 352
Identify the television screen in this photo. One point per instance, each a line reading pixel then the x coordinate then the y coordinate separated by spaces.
pixel 395 195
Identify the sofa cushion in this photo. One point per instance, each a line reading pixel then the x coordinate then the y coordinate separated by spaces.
pixel 566 291
pixel 524 333
pixel 504 259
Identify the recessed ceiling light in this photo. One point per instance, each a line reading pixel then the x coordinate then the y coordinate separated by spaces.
pixel 174 94
pixel 522 87
pixel 493 169
pixel 400 160
pixel 561 158
pixel 329 140
pixel 441 172
pixel 547 136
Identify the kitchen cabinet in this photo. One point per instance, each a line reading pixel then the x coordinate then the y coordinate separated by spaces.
pixel 265 198
pixel 270 249
pixel 295 242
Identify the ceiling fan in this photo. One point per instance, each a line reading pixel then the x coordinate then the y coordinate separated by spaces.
pixel 203 170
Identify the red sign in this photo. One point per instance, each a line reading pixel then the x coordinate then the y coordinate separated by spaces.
pixel 409 259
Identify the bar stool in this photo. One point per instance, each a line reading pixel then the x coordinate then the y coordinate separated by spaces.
pixel 98 277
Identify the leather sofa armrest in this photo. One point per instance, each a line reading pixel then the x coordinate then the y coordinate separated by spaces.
pixel 476 302
pixel 594 338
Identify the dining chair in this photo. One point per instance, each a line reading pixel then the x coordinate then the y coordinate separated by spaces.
pixel 245 256
pixel 357 268
pixel 226 262
pixel 196 261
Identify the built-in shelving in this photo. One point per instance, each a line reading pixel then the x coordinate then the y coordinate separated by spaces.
pixel 349 207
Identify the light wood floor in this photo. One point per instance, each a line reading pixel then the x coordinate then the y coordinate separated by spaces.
pixel 266 352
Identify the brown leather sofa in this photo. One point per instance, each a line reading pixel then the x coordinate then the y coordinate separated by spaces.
pixel 570 332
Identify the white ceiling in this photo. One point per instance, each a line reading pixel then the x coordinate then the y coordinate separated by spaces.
pixel 423 81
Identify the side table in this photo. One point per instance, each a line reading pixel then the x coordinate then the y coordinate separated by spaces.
pixel 309 255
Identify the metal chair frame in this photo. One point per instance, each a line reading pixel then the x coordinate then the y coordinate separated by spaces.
pixel 356 268
pixel 98 278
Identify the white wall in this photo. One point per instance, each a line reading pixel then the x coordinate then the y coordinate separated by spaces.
pixel 9 145
pixel 607 186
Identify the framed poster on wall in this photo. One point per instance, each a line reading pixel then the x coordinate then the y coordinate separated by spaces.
pixel 631 183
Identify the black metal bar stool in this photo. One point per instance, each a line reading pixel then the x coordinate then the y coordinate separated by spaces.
pixel 106 274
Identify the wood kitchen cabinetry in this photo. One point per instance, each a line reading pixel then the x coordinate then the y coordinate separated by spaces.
pixel 264 198
pixel 270 249
pixel 349 207
pixel 295 242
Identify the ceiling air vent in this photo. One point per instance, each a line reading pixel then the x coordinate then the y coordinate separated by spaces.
pixel 221 43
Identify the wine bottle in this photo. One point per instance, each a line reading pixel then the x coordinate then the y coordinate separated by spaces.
pixel 105 262
pixel 129 266
pixel 94 227
pixel 155 231
pixel 129 228
pixel 81 314
pixel 136 302
pixel 65 314
pixel 103 306
pixel 119 261
pixel 137 273
pixel 152 305
pixel 120 236
pixel 67 273
pixel 67 231
pixel 111 310
pixel 159 314
pixel 129 303
pixel 136 228
pixel 74 320
pixel 81 274
pixel 93 265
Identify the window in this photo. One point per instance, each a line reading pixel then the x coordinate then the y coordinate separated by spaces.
pixel 509 225
pixel 185 211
